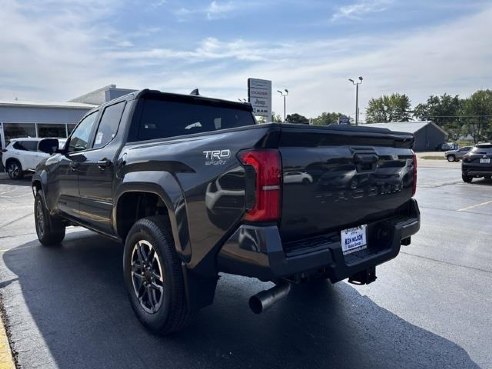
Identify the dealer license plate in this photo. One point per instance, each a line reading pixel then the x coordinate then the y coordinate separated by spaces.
pixel 353 239
pixel 485 161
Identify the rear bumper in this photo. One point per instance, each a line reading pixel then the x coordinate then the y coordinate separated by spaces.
pixel 476 170
pixel 257 251
pixel 478 173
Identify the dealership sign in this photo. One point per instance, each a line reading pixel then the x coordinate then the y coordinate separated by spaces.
pixel 260 97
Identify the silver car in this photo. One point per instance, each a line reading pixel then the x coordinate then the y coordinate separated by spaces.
pixel 457 155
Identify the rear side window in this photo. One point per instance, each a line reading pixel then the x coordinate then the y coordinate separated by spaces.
pixel 109 124
pixel 26 145
pixel 160 119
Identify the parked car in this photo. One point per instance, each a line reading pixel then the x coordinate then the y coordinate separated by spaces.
pixel 477 163
pixel 23 155
pixel 457 155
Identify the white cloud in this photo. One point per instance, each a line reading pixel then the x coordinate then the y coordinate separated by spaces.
pixel 218 10
pixel 215 10
pixel 359 9
pixel 66 53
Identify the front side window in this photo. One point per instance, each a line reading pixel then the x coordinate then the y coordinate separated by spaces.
pixel 79 140
pixel 108 126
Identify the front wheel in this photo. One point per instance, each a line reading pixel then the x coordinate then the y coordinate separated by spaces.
pixel 466 179
pixel 50 230
pixel 451 158
pixel 154 278
pixel 14 170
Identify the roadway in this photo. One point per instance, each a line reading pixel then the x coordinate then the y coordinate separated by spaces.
pixel 430 307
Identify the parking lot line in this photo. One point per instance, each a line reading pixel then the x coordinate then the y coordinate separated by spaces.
pixel 475 206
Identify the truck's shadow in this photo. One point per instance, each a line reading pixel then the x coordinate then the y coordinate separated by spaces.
pixel 76 297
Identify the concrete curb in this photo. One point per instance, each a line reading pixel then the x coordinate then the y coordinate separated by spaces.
pixel 6 358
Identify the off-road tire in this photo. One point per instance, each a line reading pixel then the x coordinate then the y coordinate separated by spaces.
pixel 172 313
pixel 50 229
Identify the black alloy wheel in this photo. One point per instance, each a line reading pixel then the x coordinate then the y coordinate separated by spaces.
pixel 154 277
pixel 147 276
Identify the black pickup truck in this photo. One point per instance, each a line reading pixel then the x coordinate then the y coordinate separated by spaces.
pixel 193 187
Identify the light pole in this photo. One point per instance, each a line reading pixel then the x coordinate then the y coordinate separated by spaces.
pixel 356 98
pixel 284 94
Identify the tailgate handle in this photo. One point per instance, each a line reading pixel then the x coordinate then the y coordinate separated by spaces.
pixel 366 162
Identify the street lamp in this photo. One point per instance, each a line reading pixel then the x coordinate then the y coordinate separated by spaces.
pixel 284 94
pixel 356 83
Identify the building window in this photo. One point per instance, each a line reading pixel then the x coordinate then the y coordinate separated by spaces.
pixel 52 130
pixel 16 130
pixel 71 127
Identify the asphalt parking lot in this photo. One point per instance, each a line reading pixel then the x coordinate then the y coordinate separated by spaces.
pixel 430 307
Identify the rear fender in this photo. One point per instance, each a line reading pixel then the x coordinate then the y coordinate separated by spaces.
pixel 164 185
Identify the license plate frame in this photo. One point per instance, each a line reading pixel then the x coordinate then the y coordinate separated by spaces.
pixel 353 239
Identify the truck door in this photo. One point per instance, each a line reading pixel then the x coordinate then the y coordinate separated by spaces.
pixel 64 181
pixel 97 171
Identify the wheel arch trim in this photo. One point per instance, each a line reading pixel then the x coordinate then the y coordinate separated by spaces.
pixel 170 193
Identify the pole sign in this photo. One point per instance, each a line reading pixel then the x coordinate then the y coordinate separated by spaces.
pixel 260 97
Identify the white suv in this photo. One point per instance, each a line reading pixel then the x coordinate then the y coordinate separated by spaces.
pixel 22 155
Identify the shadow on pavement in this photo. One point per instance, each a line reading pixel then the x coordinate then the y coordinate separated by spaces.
pixel 24 181
pixel 77 300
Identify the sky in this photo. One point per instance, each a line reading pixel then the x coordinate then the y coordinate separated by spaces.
pixel 56 50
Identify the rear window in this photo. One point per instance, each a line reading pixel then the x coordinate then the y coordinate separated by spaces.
pixel 482 149
pixel 160 119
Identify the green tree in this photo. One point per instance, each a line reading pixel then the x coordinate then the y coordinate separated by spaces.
pixel 478 115
pixel 392 108
pixel 445 111
pixel 276 118
pixel 296 118
pixel 326 118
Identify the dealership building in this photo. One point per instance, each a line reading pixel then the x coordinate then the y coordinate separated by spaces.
pixel 45 119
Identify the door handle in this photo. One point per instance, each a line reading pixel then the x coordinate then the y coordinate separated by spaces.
pixel 104 163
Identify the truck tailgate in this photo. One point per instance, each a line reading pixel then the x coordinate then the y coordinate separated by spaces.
pixel 336 178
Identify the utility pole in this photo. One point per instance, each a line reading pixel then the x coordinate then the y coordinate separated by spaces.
pixel 284 94
pixel 356 84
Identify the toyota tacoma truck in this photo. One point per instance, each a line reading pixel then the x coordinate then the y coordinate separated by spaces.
pixel 193 187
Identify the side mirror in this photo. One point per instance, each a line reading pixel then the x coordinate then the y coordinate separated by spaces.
pixel 48 145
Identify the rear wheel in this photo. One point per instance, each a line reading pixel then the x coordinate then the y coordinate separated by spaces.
pixel 466 179
pixel 14 169
pixel 50 230
pixel 451 158
pixel 153 277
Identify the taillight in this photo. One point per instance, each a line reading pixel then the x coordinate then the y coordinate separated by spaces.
pixel 267 166
pixel 414 186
